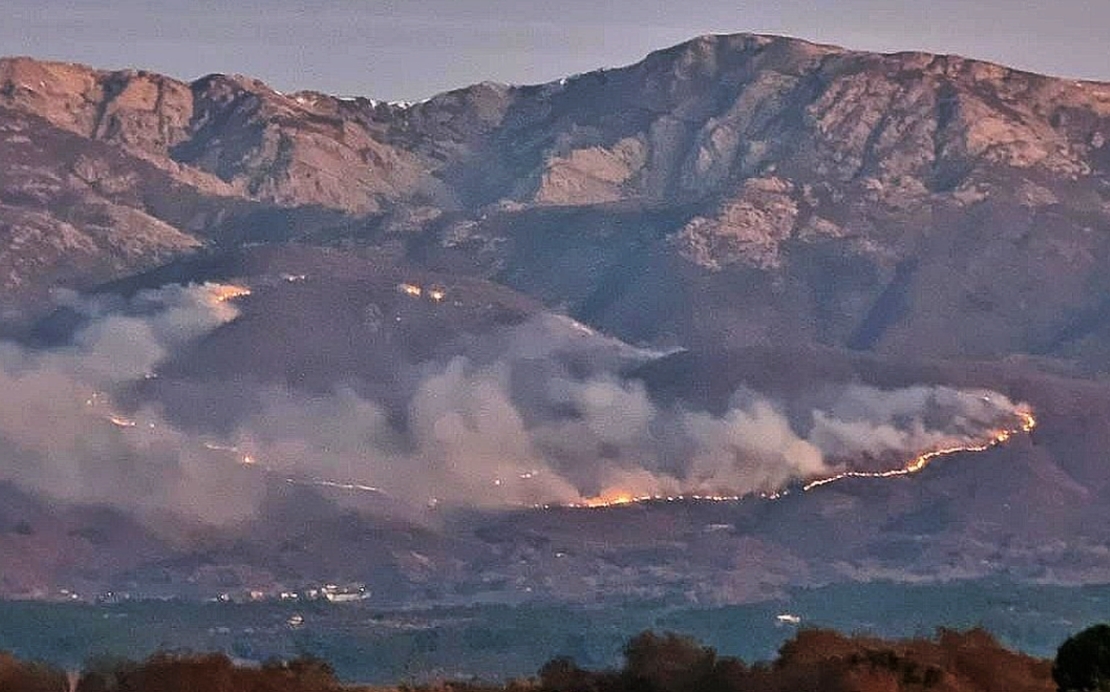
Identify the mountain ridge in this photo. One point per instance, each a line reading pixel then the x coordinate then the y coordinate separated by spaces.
pixel 783 211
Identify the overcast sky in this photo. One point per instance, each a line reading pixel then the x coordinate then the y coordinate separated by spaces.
pixel 410 49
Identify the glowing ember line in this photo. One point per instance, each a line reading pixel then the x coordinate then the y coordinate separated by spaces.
pixel 222 293
pixel 253 461
pixel 921 461
pixel 336 484
pixel 220 448
pixel 996 438
pixel 621 500
pixel 250 460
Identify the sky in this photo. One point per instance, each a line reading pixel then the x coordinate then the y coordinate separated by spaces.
pixel 411 49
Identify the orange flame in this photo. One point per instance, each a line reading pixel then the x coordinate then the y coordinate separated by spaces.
pixel 1026 422
pixel 995 438
pixel 610 498
pixel 222 293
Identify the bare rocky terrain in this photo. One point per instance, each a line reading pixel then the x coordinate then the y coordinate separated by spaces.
pixel 909 204
pixel 789 214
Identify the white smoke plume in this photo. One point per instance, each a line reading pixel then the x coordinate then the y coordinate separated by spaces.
pixel 863 420
pixel 536 414
pixel 59 434
pixel 473 440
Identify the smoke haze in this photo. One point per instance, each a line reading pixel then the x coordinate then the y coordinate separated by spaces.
pixel 56 429
pixel 532 414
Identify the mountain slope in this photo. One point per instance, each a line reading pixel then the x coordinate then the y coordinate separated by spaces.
pixel 764 189
pixel 792 215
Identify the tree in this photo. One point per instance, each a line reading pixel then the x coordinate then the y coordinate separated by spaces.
pixel 105 674
pixel 1083 661
pixel 562 674
pixel 306 672
pixel 19 676
pixel 668 663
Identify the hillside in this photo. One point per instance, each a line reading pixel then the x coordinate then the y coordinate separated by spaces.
pixel 505 296
pixel 743 190
pixel 739 189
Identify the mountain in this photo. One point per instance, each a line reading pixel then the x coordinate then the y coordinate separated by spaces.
pixel 783 190
pixel 734 213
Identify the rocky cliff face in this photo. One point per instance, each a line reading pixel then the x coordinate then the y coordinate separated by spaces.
pixel 868 199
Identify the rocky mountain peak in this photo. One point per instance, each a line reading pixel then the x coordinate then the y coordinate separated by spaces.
pixel 739 152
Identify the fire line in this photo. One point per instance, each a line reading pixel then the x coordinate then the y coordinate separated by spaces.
pixel 1027 421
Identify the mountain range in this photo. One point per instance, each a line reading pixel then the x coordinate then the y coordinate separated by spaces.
pixel 735 214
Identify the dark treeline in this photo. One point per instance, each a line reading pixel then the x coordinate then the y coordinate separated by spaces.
pixel 29 677
pixel 814 660
pixel 171 672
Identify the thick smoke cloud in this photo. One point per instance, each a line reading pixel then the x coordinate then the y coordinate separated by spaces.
pixel 863 420
pixel 534 414
pixel 59 434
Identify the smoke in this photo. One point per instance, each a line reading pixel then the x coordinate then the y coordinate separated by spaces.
pixel 876 423
pixel 532 414
pixel 59 434
pixel 492 432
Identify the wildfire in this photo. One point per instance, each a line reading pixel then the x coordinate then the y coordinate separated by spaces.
pixel 222 293
pixel 220 448
pixel 436 294
pixel 253 461
pixel 612 499
pixel 616 498
pixel 322 483
pixel 1026 422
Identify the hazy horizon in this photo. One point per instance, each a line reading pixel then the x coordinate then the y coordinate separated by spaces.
pixel 390 50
